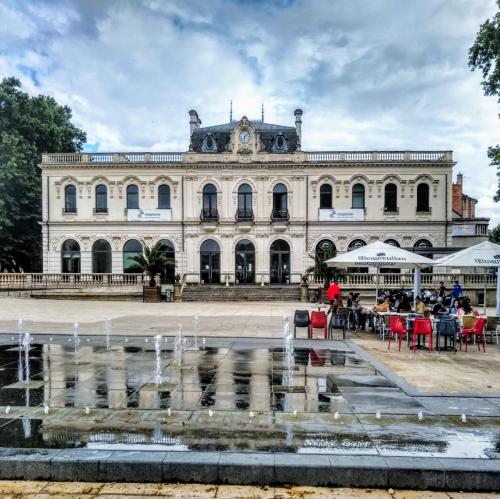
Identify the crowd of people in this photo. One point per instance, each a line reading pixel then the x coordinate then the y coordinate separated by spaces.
pixel 363 316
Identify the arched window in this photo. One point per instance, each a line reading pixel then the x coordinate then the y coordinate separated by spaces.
pixel 353 245
pixel 132 197
pixel 423 197
pixel 245 211
pixel 423 244
pixel 392 242
pixel 325 197
pixel 70 199
pixel 101 257
pixel 244 262
pixel 280 202
pixel 210 262
pixel 280 262
pixel 101 199
pixel 130 249
pixel 391 198
pixel 325 249
pixel 357 243
pixel 168 273
pixel 209 210
pixel 70 256
pixel 164 197
pixel 358 196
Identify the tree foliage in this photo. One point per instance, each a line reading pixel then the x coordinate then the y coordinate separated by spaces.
pixel 494 235
pixel 485 55
pixel 153 261
pixel 29 126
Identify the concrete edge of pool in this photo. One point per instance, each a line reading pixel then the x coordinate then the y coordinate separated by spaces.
pixel 251 469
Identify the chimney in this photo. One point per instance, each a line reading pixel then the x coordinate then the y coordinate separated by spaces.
pixel 457 203
pixel 194 121
pixel 298 126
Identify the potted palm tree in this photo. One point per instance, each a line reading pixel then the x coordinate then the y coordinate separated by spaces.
pixel 153 261
pixel 322 272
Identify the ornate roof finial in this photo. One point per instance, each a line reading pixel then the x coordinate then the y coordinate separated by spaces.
pixel 231 111
pixel 262 112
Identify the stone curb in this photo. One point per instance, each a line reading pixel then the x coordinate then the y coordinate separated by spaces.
pixel 251 469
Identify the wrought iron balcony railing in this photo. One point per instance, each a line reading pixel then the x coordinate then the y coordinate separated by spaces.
pixel 209 214
pixel 280 215
pixel 244 215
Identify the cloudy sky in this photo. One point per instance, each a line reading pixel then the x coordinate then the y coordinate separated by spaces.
pixel 369 74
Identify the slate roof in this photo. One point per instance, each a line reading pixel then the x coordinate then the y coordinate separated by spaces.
pixel 268 134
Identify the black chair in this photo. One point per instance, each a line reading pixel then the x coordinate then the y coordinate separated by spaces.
pixel 338 320
pixel 446 327
pixel 301 319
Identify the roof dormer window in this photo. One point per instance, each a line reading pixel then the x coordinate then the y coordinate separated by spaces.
pixel 280 144
pixel 209 144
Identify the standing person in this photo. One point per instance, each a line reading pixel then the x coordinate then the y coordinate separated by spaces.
pixel 419 305
pixel 334 290
pixel 441 290
pixel 457 290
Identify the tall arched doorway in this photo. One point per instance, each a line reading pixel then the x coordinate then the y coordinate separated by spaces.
pixel 131 248
pixel 168 250
pixel 280 262
pixel 245 262
pixel 70 256
pixel 101 257
pixel 209 262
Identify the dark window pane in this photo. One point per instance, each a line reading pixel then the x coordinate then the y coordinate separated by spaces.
pixel 101 198
pixel 358 196
pixel 423 197
pixel 391 198
pixel 132 197
pixel 164 197
pixel 325 196
pixel 101 257
pixel 70 199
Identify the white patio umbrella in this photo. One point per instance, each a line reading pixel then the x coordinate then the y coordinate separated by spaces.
pixel 485 254
pixel 379 254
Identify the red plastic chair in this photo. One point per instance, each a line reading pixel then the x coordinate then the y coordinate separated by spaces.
pixel 477 331
pixel 318 321
pixel 422 327
pixel 396 327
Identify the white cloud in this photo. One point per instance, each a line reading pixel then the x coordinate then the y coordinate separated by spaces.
pixel 374 75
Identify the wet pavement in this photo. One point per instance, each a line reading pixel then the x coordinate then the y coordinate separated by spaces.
pixel 42 490
pixel 228 395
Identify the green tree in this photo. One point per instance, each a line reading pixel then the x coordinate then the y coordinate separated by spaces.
pixel 153 261
pixel 29 126
pixel 494 235
pixel 485 55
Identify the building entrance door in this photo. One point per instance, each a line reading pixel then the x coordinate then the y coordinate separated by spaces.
pixel 245 262
pixel 209 262
pixel 280 262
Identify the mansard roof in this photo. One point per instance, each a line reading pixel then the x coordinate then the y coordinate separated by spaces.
pixel 268 134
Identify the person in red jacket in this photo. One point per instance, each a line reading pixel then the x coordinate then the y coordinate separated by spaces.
pixel 334 290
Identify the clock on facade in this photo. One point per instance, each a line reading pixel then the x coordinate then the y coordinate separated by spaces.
pixel 244 136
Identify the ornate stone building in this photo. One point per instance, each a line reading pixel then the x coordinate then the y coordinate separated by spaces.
pixel 245 204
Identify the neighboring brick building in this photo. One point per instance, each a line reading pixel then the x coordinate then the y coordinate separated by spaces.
pixel 467 228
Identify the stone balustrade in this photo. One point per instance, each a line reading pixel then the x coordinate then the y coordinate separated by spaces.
pixel 57 280
pixel 314 156
pixel 405 280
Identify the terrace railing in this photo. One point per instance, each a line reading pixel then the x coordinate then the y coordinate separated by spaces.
pixel 405 280
pixel 14 281
pixel 111 157
pixel 379 156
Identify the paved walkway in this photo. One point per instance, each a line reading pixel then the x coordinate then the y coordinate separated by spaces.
pixel 46 490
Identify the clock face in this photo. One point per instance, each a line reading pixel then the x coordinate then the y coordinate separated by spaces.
pixel 244 136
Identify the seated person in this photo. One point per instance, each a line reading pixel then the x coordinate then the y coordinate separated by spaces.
pixel 382 305
pixel 439 308
pixel 359 313
pixel 466 310
pixel 350 300
pixel 404 305
pixel 454 308
pixel 419 305
pixel 337 302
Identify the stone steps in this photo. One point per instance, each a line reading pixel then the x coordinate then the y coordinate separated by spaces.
pixel 241 293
